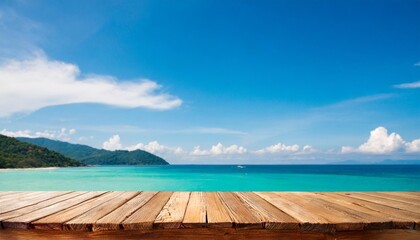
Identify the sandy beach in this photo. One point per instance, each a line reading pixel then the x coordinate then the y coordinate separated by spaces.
pixel 26 169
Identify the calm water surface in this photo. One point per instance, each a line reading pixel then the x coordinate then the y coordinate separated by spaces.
pixel 218 178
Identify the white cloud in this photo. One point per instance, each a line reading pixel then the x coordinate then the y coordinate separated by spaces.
pixel 219 149
pixel 197 151
pixel 279 148
pixel 309 149
pixel 408 85
pixel 348 149
pixel 232 149
pixel 156 147
pixel 29 85
pixel 380 142
pixel 113 143
pixel 62 134
pixel 414 146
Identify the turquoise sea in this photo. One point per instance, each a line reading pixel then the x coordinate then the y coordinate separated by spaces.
pixel 218 178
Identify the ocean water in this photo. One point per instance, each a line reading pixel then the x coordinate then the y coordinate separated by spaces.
pixel 218 178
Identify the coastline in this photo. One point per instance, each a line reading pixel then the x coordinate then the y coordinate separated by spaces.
pixel 27 169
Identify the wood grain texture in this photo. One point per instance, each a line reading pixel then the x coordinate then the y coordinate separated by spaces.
pixel 88 217
pixel 402 207
pixel 209 233
pixel 373 219
pixel 144 217
pixel 342 219
pixel 72 210
pixel 21 202
pixel 25 220
pixel 387 201
pixel 25 200
pixel 113 220
pixel 195 214
pixel 394 213
pixel 46 203
pixel 241 214
pixel 309 221
pixel 221 214
pixel 217 214
pixel 273 217
pixel 407 197
pixel 173 212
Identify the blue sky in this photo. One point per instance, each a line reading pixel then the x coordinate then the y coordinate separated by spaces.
pixel 216 81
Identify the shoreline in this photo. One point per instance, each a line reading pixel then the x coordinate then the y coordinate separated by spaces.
pixel 26 169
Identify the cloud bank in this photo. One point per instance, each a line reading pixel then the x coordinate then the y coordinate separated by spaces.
pixel 29 85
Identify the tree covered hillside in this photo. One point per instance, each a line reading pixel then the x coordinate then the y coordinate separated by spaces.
pixel 93 156
pixel 18 154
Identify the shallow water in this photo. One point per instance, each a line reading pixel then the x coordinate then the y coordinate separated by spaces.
pixel 218 178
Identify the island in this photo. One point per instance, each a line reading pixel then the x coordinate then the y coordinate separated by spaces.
pixel 93 156
pixel 18 154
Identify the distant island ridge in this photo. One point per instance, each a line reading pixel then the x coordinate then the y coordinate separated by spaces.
pixel 43 152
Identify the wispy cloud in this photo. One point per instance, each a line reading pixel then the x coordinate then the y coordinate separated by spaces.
pixel 358 101
pixel 417 64
pixel 408 85
pixel 40 82
pixel 23 34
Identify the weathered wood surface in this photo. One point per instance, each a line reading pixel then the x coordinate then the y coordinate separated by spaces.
pixel 209 233
pixel 288 212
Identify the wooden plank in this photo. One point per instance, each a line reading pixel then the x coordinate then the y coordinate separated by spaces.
pixel 31 208
pixel 57 219
pixel 209 234
pixel 173 212
pixel 25 220
pixel 217 214
pixel 241 214
pixel 195 214
pixel 6 194
pixel 309 221
pixel 386 210
pixel 113 220
pixel 340 218
pixel 410 195
pixel 406 199
pixel 21 202
pixel 22 196
pixel 373 220
pixel 86 220
pixel 385 202
pixel 144 217
pixel 273 217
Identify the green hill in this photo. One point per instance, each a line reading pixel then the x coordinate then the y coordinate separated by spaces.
pixel 93 156
pixel 18 154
